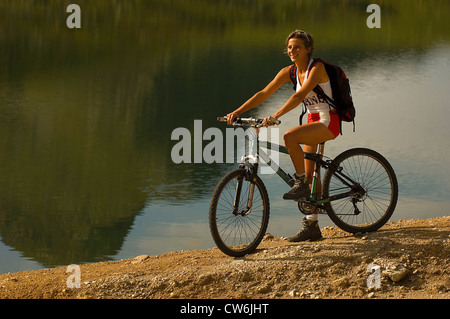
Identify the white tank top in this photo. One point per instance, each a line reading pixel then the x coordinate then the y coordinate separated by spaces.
pixel 314 103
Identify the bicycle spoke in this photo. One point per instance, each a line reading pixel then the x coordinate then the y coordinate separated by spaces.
pixel 374 195
pixel 237 229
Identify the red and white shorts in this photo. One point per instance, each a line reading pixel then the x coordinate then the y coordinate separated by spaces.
pixel 330 120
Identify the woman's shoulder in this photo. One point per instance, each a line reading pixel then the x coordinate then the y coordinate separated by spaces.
pixel 285 72
pixel 288 68
pixel 319 68
pixel 317 63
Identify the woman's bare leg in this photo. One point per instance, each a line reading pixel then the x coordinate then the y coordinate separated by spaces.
pixel 308 134
pixel 309 169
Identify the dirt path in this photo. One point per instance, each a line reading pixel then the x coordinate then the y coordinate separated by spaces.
pixel 406 259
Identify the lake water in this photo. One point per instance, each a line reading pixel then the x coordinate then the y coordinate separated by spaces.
pixel 86 115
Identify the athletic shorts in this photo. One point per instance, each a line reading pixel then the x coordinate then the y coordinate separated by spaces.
pixel 330 120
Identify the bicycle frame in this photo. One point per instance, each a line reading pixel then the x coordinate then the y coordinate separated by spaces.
pixel 316 157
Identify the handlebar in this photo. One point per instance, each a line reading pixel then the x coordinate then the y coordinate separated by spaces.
pixel 246 122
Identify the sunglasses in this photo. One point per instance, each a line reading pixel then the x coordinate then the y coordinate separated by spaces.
pixel 304 33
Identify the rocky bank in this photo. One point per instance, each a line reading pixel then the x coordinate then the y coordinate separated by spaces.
pixel 404 259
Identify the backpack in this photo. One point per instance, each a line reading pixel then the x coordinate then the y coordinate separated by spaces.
pixel 340 86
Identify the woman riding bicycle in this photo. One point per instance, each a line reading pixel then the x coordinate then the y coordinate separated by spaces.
pixel 323 121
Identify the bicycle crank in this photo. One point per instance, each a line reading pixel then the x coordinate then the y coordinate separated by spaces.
pixel 307 208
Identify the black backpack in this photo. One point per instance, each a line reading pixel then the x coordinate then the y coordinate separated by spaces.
pixel 340 86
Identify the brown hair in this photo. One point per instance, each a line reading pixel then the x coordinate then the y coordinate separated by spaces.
pixel 307 39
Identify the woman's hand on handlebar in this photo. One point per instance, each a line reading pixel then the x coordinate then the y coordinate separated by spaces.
pixel 231 117
pixel 269 121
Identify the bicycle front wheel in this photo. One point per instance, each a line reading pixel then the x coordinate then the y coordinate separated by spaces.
pixel 239 213
pixel 373 204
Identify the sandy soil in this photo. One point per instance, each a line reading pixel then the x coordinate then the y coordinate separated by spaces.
pixel 404 259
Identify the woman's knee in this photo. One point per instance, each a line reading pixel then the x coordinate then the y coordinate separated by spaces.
pixel 289 138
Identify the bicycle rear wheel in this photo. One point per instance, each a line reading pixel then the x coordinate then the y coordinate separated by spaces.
pixel 369 208
pixel 237 230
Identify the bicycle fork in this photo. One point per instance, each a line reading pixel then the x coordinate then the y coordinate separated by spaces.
pixel 237 198
pixel 251 170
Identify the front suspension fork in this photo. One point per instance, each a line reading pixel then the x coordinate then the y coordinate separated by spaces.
pixel 237 198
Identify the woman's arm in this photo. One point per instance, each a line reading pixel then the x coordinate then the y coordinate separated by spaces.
pixel 257 99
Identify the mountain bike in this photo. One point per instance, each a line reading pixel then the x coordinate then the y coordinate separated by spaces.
pixel 359 193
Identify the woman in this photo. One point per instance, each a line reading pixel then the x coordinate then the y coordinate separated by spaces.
pixel 323 122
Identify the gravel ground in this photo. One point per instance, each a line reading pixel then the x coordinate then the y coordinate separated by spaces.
pixel 404 259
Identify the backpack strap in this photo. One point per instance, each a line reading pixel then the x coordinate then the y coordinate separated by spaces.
pixel 318 90
pixel 293 75
pixel 304 110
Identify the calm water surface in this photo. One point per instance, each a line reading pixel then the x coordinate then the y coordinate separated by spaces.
pixel 86 116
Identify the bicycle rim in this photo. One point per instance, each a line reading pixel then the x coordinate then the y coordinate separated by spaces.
pixel 373 208
pixel 237 233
